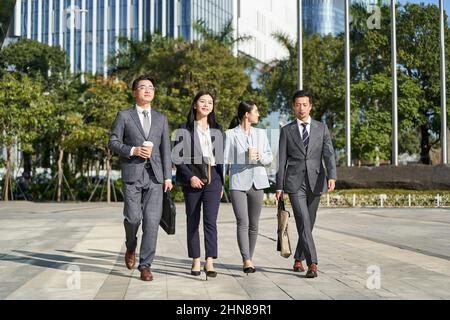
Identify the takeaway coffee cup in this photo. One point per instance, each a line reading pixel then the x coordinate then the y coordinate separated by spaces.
pixel 149 146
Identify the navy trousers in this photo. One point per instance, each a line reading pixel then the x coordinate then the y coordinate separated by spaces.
pixel 209 196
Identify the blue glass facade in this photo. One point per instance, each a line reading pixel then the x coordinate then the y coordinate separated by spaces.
pixel 169 17
pixel 323 16
pixel 215 12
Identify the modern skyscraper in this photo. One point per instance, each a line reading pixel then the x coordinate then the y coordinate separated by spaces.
pixel 88 30
pixel 260 19
pixel 323 16
pixel 327 16
pixel 6 12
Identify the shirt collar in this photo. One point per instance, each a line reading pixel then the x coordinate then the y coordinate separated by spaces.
pixel 308 121
pixel 140 109
pixel 200 128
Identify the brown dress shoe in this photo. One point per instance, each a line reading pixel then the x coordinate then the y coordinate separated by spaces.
pixel 130 259
pixel 146 274
pixel 312 271
pixel 298 267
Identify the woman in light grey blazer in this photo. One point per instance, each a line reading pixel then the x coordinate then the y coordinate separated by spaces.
pixel 247 151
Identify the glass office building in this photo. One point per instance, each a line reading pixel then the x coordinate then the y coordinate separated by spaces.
pixel 323 16
pixel 328 16
pixel 88 30
pixel 6 12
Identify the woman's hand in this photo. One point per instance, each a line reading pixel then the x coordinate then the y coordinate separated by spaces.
pixel 196 183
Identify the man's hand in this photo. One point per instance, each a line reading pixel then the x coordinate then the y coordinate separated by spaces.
pixel 331 185
pixel 196 183
pixel 279 195
pixel 141 152
pixel 168 185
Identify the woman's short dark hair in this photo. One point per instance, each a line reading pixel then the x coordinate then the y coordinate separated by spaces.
pixel 301 94
pixel 140 78
pixel 244 107
pixel 191 117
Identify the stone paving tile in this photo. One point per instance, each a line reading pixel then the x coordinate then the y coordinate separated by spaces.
pixel 39 242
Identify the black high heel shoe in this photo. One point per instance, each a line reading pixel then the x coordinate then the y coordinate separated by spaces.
pixel 248 270
pixel 195 272
pixel 211 274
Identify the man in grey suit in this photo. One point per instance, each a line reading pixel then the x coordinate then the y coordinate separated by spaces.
pixel 143 171
pixel 305 144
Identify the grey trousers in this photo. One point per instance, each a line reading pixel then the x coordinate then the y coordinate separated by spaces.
pixel 305 204
pixel 247 209
pixel 143 202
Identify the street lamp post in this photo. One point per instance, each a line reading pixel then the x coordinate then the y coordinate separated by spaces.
pixel 443 137
pixel 394 160
pixel 300 45
pixel 348 146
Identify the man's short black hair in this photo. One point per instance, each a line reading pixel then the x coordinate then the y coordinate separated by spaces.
pixel 140 78
pixel 301 94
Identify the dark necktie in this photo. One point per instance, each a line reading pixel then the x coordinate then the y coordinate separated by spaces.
pixel 305 136
pixel 146 124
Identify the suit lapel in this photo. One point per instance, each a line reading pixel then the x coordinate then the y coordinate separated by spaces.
pixel 135 117
pixel 297 137
pixel 153 124
pixel 313 134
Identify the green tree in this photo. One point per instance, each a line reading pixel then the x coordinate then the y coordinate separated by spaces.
pixel 101 102
pixel 37 60
pixel 66 117
pixel 22 110
pixel 323 77
pixel 181 69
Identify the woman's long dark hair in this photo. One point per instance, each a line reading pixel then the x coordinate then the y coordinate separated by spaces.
pixel 192 112
pixel 244 107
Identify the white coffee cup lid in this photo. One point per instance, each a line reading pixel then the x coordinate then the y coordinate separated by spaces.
pixel 147 144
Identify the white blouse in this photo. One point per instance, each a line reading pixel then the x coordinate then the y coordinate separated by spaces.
pixel 205 142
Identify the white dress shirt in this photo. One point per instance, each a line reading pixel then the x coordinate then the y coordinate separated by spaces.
pixel 308 126
pixel 141 119
pixel 205 142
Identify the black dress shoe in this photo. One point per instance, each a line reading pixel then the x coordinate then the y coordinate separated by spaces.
pixel 248 270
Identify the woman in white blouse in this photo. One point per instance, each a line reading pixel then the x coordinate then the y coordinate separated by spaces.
pixel 200 172
pixel 247 151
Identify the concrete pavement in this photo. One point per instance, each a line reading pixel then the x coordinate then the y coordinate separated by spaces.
pixel 75 251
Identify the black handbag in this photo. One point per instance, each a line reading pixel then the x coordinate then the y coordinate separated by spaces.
pixel 169 213
pixel 201 171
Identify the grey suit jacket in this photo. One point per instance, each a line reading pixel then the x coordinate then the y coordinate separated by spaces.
pixel 294 163
pixel 243 174
pixel 127 132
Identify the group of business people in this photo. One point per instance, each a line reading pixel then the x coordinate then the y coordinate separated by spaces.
pixel 203 154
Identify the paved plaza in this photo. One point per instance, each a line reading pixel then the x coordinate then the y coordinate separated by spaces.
pixel 76 251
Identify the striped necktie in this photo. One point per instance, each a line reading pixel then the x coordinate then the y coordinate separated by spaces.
pixel 305 136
